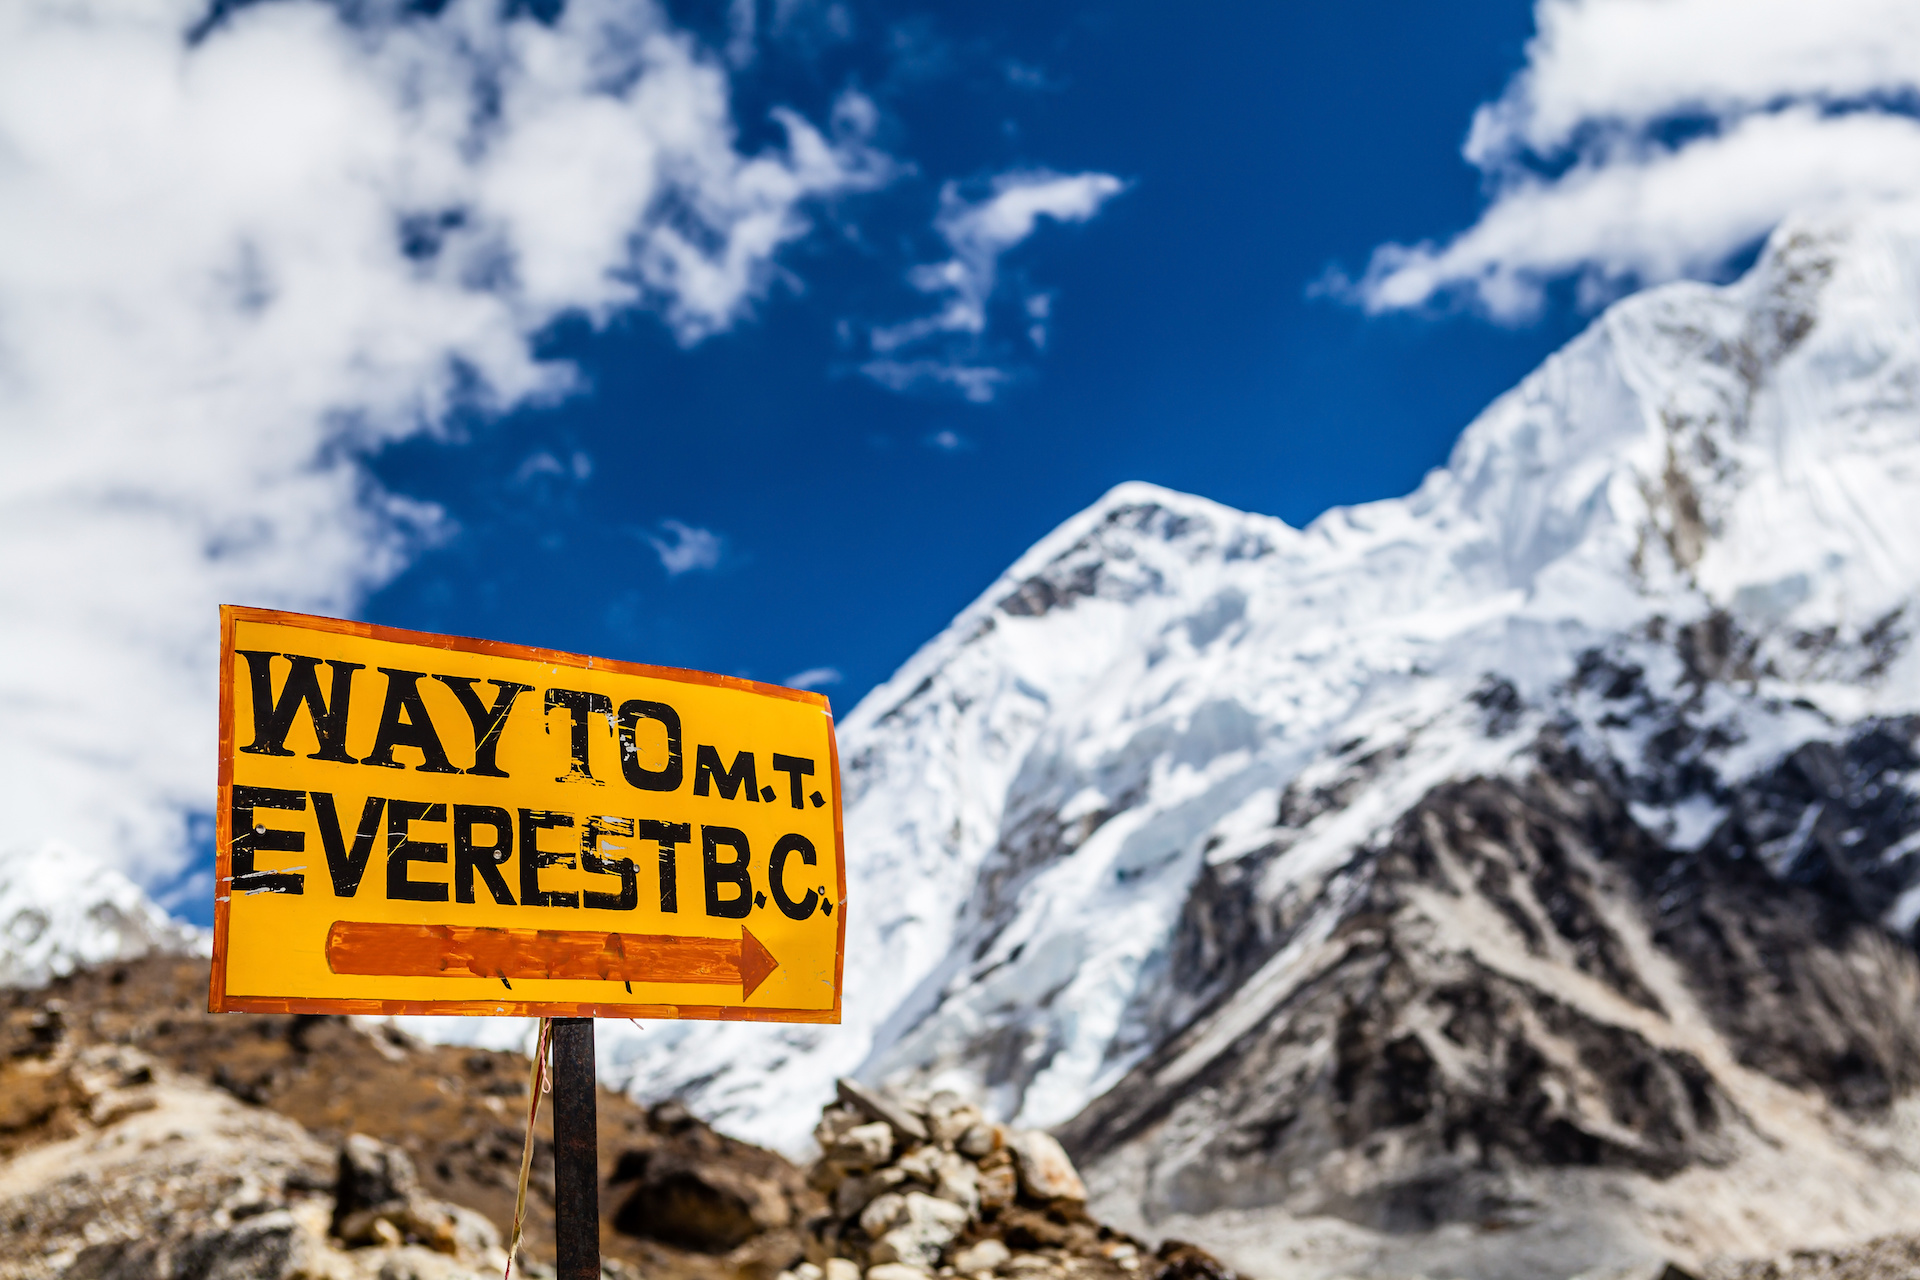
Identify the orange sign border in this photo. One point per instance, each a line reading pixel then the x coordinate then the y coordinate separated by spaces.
pixel 218 1001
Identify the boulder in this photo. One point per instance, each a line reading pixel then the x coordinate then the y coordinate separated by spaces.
pixel 704 1205
pixel 372 1174
pixel 1045 1171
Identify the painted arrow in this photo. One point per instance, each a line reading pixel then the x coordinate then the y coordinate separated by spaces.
pixel 452 950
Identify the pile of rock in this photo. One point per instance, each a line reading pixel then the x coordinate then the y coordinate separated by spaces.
pixel 928 1186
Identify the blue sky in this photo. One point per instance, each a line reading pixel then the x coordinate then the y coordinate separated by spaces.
pixel 758 336
pixel 1183 344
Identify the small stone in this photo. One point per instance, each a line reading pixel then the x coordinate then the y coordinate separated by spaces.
pixel 1183 1261
pixel 118 1104
pixel 857 1192
pixel 863 1146
pixel 879 1217
pixel 949 1115
pixel 922 1164
pixel 984 1256
pixel 472 1233
pixel 895 1271
pixel 416 1263
pixel 921 1229
pixel 825 1177
pixel 1045 1171
pixel 835 1121
pixel 958 1182
pixel 979 1140
pixel 841 1269
pixel 998 1186
pixel 881 1108
pixel 808 1271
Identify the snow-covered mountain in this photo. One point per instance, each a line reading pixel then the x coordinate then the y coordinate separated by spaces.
pixel 1530 860
pixel 60 909
pixel 1718 486
pixel 1557 817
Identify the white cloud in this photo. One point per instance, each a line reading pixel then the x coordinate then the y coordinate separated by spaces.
pixel 813 678
pixel 543 463
pixel 977 382
pixel 690 548
pixel 1650 139
pixel 947 347
pixel 230 266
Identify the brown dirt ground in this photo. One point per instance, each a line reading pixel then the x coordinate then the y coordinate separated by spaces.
pixel 460 1113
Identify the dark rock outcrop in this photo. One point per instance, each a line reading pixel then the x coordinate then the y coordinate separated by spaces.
pixel 1521 979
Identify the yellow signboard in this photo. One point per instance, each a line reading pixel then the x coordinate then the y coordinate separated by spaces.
pixel 414 823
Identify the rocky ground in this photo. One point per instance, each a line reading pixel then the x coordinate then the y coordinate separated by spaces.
pixel 141 1137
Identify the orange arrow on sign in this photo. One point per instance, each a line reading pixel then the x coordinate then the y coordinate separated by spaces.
pixel 451 950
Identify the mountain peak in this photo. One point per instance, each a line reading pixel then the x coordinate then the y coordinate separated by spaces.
pixel 60 909
pixel 1033 797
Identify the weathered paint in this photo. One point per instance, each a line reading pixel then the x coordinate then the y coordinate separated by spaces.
pixel 414 823
pixel 433 950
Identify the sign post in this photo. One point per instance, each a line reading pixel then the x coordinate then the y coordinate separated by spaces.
pixel 417 824
pixel 576 1152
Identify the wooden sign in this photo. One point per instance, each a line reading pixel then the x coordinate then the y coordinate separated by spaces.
pixel 413 823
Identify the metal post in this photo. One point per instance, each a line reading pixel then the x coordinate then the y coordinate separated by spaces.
pixel 576 1152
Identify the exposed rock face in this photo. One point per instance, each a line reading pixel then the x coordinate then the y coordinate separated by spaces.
pixel 1520 995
